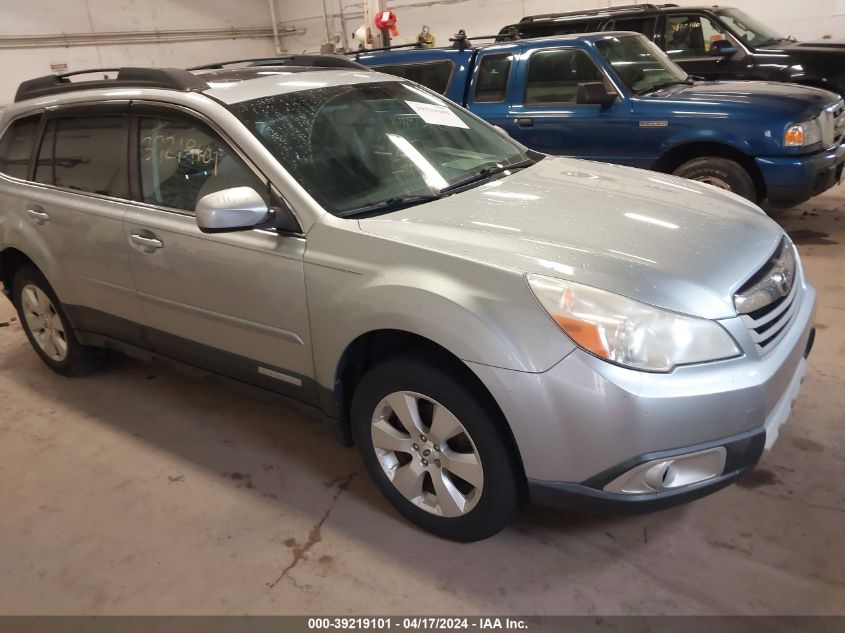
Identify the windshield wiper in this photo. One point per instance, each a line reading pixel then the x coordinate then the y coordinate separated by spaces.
pixel 484 174
pixel 667 84
pixel 403 202
pixel 391 204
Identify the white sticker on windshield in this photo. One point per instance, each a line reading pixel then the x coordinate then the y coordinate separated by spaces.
pixel 437 114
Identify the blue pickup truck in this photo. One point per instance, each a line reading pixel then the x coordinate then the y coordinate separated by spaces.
pixel 616 97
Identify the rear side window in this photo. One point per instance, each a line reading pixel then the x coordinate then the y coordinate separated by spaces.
pixel 433 75
pixel 182 160
pixel 646 26
pixel 86 153
pixel 16 146
pixel 554 76
pixel 564 27
pixel 492 81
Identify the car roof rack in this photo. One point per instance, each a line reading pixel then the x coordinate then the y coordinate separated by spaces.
pixel 127 77
pixel 625 8
pixel 459 41
pixel 308 60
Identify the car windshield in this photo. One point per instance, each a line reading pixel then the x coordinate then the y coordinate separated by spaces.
pixel 640 63
pixel 749 30
pixel 355 147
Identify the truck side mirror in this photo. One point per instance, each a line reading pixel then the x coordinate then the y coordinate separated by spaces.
pixel 594 93
pixel 723 48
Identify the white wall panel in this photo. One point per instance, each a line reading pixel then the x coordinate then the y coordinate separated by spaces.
pixel 53 17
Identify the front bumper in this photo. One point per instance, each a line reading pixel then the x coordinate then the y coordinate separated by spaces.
pixel 585 422
pixel 791 180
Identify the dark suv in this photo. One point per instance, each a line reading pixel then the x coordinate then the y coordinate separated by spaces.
pixel 710 42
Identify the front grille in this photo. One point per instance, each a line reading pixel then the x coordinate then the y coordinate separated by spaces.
pixel 770 324
pixel 837 113
pixel 767 314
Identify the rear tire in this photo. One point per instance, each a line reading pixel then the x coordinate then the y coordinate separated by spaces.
pixel 47 327
pixel 722 173
pixel 455 475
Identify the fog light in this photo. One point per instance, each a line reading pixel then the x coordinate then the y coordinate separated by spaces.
pixel 671 472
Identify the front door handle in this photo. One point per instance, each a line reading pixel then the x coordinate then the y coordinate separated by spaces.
pixel 145 242
pixel 37 216
pixel 525 122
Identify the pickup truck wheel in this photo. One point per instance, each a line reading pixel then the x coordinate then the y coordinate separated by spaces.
pixel 47 328
pixel 722 173
pixel 434 450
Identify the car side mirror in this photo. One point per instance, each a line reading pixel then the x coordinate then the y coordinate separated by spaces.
pixel 723 48
pixel 594 93
pixel 234 209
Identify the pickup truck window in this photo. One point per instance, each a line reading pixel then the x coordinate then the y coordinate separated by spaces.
pixel 554 75
pixel 16 146
pixel 640 63
pixel 356 146
pixel 492 82
pixel 433 75
pixel 690 36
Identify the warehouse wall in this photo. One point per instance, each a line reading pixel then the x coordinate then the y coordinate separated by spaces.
pixel 22 18
pixel 810 19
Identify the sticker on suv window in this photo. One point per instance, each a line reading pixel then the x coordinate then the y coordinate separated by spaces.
pixel 437 114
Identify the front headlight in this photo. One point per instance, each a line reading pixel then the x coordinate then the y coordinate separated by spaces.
pixel 803 134
pixel 628 332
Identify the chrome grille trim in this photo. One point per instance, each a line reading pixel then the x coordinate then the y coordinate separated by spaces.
pixel 777 312
pixel 768 324
pixel 768 340
pixel 836 116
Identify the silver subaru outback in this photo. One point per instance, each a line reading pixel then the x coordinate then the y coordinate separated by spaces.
pixel 489 325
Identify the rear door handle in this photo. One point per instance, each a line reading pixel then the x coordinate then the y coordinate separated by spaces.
pixel 145 242
pixel 525 122
pixel 37 216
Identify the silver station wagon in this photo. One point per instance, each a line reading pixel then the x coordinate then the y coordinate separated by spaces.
pixel 488 324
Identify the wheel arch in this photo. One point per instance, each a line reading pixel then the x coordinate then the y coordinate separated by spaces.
pixel 11 261
pixel 373 347
pixel 679 154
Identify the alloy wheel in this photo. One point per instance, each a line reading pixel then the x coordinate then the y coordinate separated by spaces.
pixel 44 323
pixel 427 454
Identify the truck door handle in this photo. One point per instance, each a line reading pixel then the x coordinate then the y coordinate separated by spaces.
pixel 37 216
pixel 146 242
pixel 525 122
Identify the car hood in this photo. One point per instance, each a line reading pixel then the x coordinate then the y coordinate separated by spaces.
pixel 824 46
pixel 662 240
pixel 788 98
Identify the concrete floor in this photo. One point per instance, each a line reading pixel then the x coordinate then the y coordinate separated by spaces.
pixel 139 490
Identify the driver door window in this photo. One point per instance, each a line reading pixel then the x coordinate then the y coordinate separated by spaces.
pixel 183 160
pixel 691 36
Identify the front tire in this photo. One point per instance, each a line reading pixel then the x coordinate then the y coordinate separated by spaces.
pixel 435 450
pixel 47 327
pixel 722 173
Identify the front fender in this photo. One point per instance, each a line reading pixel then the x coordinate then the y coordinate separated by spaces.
pixel 689 136
pixel 478 313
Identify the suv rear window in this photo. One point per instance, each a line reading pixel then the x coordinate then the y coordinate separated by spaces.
pixel 433 75
pixel 87 154
pixel 16 146
pixel 646 26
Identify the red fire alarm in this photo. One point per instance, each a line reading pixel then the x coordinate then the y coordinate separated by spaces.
pixel 387 20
